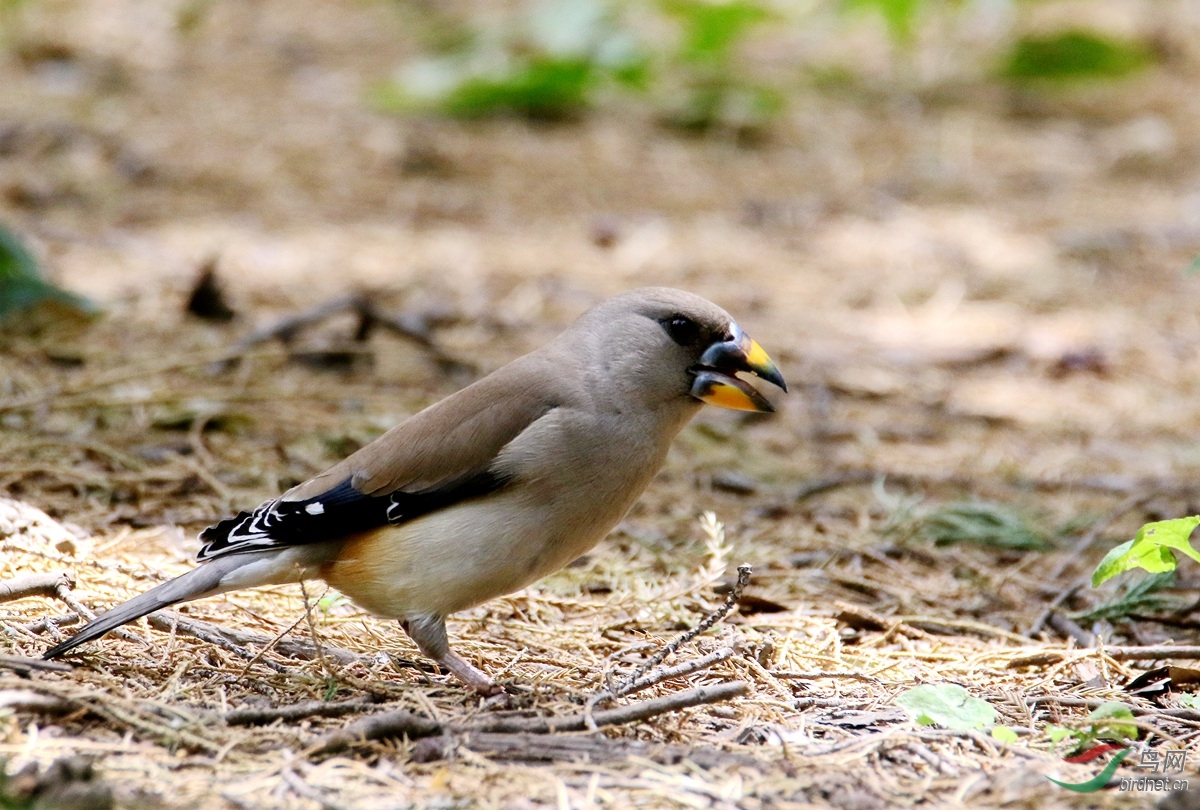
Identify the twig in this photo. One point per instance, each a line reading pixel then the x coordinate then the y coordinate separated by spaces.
pixel 28 700
pixel 414 328
pixel 25 667
pixel 591 749
pixel 399 723
pixel 932 624
pixel 631 713
pixel 982 741
pixel 168 621
pixel 922 751
pixel 286 329
pixel 814 676
pixel 823 485
pixel 1191 715
pixel 43 624
pixel 405 723
pixel 1071 629
pixel 296 711
pixel 312 630
pixel 291 648
pixel 823 703
pixel 34 585
pixel 678 671
pixel 1105 722
pixel 1152 653
pixel 263 649
pixel 409 327
pixel 743 579
pixel 1038 659
pixel 1055 604
pixel 1110 484
pixel 1169 621
pixel 62 591
pixel 863 618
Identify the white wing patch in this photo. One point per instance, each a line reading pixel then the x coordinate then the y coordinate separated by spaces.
pixel 247 532
pixel 334 514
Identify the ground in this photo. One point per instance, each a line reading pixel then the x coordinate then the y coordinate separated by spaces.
pixel 977 293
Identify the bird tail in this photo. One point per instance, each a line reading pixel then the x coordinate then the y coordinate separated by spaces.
pixel 199 582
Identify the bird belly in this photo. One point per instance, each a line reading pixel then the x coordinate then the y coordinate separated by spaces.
pixel 459 557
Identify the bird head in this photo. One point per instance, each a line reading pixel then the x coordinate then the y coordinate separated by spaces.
pixel 665 345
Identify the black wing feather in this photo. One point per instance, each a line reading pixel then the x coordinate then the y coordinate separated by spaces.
pixel 336 513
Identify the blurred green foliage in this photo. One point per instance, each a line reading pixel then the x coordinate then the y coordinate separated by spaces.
pixel 22 287
pixel 900 15
pixel 1073 55
pixel 715 94
pixel 556 58
pixel 981 523
pixel 1139 596
pixel 548 64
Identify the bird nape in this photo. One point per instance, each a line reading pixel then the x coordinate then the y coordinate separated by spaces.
pixel 493 487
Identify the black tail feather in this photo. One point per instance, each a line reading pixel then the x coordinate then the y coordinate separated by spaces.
pixel 220 531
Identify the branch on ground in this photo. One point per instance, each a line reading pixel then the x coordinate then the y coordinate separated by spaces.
pixel 407 724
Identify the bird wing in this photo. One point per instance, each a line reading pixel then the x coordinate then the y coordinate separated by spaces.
pixel 441 456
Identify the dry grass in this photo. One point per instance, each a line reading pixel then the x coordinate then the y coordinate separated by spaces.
pixel 818 728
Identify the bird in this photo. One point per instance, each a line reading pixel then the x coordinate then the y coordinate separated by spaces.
pixel 494 487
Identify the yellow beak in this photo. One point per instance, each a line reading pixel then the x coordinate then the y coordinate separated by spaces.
pixel 717 384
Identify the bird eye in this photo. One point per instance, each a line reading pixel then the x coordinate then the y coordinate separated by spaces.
pixel 683 331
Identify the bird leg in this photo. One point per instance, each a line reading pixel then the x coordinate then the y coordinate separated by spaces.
pixel 429 634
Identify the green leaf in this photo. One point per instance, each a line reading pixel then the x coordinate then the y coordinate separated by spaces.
pixel 1057 733
pixel 22 286
pixel 1124 557
pixel 1153 549
pixel 1107 720
pixel 330 601
pixel 1004 734
pixel 1072 55
pixel 947 705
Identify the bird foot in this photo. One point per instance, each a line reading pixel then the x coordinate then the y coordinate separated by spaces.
pixel 465 671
